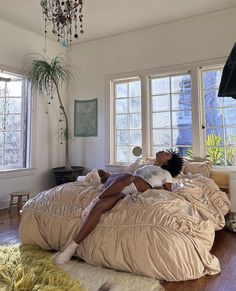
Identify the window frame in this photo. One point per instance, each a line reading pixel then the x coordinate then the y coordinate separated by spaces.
pixel 202 70
pixel 144 75
pixel 113 84
pixel 29 167
pixel 171 110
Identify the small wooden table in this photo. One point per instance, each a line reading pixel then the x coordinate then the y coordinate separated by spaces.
pixel 19 195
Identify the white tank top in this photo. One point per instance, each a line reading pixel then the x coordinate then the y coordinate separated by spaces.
pixel 154 175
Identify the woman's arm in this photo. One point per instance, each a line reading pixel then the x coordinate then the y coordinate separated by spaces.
pixel 165 186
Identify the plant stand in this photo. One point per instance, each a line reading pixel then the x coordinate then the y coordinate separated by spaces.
pixel 63 175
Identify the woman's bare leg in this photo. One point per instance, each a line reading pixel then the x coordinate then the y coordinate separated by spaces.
pixel 88 226
pixel 91 221
pixel 117 185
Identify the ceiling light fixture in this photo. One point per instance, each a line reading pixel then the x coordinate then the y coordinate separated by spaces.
pixel 64 16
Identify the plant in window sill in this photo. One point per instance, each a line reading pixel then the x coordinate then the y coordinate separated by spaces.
pixel 47 77
pixel 215 151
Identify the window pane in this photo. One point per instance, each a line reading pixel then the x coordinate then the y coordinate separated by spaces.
pixel 212 79
pixel 161 119
pixel 182 101
pixel 128 123
pixel 162 138
pixel 2 104
pixel 135 121
pixel 136 137
pixel 161 103
pixel 122 153
pixel 2 89
pixel 182 137
pixel 14 105
pixel 134 89
pixel 122 137
pixel 2 122
pixel 15 119
pixel 213 117
pixel 1 157
pixel 180 83
pixel 13 122
pixel 182 119
pixel 121 106
pixel 220 122
pixel 177 106
pixel 183 151
pixel 13 139
pixel 1 140
pixel 216 155
pixel 230 136
pixel 134 105
pixel 214 137
pixel 212 100
pixel 122 90
pixel 160 86
pixel 12 157
pixel 229 116
pixel 229 101
pixel 231 156
pixel 14 88
pixel 122 121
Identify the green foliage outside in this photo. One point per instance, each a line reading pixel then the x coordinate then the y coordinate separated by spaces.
pixel 216 153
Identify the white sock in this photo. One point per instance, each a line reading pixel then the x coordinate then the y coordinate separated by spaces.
pixel 66 255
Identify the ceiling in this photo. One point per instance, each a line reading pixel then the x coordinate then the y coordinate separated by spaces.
pixel 103 18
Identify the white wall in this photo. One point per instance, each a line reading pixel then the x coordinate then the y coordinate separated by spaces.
pixel 15 44
pixel 200 38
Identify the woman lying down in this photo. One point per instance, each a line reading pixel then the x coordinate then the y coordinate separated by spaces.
pixel 159 175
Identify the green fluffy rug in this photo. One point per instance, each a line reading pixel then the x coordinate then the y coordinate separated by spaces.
pixel 30 268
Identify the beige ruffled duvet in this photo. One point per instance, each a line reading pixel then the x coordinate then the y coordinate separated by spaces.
pixel 159 234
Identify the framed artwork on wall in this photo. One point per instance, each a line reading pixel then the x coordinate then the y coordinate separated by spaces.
pixel 86 117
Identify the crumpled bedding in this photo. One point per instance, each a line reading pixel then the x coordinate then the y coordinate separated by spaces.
pixel 158 234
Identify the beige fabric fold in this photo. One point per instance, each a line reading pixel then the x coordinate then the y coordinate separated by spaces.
pixel 160 234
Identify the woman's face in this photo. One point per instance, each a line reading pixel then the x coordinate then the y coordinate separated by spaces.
pixel 163 157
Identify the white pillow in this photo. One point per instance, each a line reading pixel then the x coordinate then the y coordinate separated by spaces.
pixel 203 168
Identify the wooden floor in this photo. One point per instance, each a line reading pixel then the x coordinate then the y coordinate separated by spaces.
pixel 224 248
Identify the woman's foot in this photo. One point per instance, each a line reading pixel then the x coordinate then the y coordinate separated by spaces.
pixel 66 255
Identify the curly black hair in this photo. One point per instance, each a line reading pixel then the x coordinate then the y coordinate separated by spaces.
pixel 175 164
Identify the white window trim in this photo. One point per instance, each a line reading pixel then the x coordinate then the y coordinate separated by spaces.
pixel 113 132
pixel 193 68
pixel 170 75
pixel 30 170
pixel 17 173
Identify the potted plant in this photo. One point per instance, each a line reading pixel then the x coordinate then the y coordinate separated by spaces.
pixel 47 77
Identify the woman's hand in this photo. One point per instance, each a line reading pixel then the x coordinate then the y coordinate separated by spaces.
pixel 167 186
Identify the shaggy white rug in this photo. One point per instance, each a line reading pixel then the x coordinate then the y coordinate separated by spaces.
pixel 94 278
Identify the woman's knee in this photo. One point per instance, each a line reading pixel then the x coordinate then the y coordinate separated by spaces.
pixel 129 178
pixel 107 203
pixel 100 206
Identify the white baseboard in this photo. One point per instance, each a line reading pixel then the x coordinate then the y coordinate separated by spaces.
pixel 4 204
